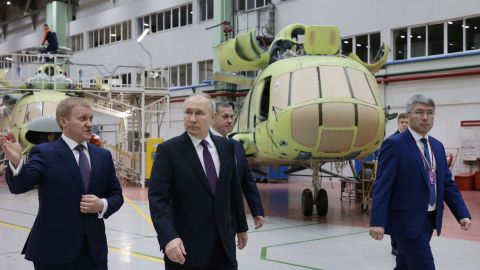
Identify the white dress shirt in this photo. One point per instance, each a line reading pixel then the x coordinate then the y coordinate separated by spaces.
pixel 213 151
pixel 417 138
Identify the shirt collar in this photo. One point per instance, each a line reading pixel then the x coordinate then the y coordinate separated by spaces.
pixel 217 133
pixel 416 135
pixel 71 143
pixel 197 141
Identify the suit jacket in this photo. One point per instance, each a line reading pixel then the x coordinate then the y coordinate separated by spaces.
pixel 182 203
pixel 401 192
pixel 60 228
pixel 249 186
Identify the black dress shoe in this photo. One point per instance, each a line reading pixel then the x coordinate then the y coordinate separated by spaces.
pixel 394 252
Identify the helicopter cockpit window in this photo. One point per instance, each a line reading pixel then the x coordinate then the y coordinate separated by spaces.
pixel 360 87
pixel 265 101
pixel 34 110
pixel 334 82
pixel 49 108
pixel 280 92
pixel 305 85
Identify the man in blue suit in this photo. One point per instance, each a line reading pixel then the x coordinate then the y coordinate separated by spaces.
pixel 223 125
pixel 195 198
pixel 413 181
pixel 77 189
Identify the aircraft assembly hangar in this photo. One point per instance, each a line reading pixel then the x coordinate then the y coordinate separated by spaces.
pixel 316 87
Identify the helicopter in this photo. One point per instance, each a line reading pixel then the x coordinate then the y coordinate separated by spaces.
pixel 308 105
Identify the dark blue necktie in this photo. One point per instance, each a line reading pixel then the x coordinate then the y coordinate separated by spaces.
pixel 426 153
pixel 209 166
pixel 84 166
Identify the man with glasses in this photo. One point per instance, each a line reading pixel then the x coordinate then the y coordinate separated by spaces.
pixel 413 181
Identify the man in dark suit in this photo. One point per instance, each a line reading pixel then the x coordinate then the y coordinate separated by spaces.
pixel 195 198
pixel 402 124
pixel 77 189
pixel 413 181
pixel 223 125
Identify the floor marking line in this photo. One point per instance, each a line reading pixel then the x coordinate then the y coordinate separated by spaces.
pixel 113 249
pixel 263 252
pixel 138 210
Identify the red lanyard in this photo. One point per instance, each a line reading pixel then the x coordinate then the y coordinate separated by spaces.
pixel 431 172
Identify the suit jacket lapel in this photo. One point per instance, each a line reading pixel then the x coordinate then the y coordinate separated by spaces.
pixel 416 153
pixel 193 159
pixel 68 159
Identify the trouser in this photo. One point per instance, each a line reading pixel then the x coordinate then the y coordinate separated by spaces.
pixel 416 254
pixel 84 261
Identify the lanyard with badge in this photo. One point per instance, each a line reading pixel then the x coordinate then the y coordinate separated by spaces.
pixel 429 167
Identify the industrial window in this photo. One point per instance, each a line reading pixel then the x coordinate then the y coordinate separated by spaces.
pixel 205 9
pixel 166 19
pixel 366 46
pixel 454 36
pixel 252 4
pixel 418 41
pixel 205 70
pixel 472 29
pixel 109 34
pixel 6 61
pixel 400 49
pixel 435 39
pixel 76 42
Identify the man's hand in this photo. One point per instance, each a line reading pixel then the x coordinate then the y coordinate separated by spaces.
pixel 465 224
pixel 376 232
pixel 242 239
pixel 12 149
pixel 176 251
pixel 258 221
pixel 91 204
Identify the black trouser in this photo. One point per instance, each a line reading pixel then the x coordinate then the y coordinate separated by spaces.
pixel 218 261
pixel 84 261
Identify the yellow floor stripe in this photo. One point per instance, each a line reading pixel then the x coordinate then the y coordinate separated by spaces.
pixel 15 226
pixel 138 210
pixel 113 249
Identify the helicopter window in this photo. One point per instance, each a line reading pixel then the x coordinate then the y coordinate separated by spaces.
pixel 265 101
pixel 367 125
pixel 305 83
pixel 373 87
pixel 34 110
pixel 360 87
pixel 49 108
pixel 280 91
pixel 333 82
pixel 18 116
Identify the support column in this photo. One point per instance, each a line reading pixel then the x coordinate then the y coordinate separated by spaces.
pixel 59 16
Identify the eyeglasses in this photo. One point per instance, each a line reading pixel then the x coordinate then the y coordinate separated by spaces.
pixel 420 113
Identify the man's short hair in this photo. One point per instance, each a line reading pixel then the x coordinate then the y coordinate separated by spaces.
pixel 64 107
pixel 224 104
pixel 45 25
pixel 402 116
pixel 417 99
pixel 211 102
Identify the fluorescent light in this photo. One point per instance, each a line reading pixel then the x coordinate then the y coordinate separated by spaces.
pixel 450 22
pixel 8 3
pixel 345 41
pixel 8 59
pixel 359 45
pixel 191 12
pixel 402 36
pixel 113 35
pixel 466 26
pixel 419 36
pixel 145 32
pixel 146 24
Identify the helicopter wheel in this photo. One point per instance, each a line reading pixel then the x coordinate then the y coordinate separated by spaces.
pixel 322 202
pixel 307 202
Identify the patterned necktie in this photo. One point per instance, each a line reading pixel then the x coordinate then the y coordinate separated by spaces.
pixel 209 166
pixel 426 153
pixel 83 165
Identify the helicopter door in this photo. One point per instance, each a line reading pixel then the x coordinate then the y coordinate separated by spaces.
pixel 260 107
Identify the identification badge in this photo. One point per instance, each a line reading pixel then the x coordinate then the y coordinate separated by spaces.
pixel 432 177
